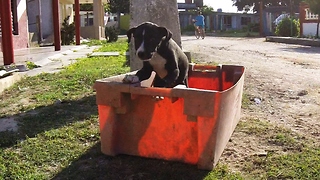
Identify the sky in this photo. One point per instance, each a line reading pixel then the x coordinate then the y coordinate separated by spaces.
pixel 225 5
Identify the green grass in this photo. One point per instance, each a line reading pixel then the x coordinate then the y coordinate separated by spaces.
pixel 297 165
pixel 95 42
pixel 303 165
pixel 237 33
pixel 291 156
pixel 245 101
pixel 121 46
pixel 273 135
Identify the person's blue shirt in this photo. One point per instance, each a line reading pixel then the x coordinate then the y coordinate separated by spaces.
pixel 199 20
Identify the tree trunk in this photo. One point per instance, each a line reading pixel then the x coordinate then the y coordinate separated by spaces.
pixel 118 18
pixel 164 13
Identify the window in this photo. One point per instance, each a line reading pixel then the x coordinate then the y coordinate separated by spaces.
pixel 14 18
pixel 227 21
pixel 245 20
pixel 88 22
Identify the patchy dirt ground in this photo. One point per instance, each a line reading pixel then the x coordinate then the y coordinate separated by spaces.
pixel 286 78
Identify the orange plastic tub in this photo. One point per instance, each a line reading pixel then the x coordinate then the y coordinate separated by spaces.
pixel 191 125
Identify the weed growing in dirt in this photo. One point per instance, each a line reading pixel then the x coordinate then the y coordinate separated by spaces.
pixel 31 65
pixel 224 172
pixel 290 156
pixel 302 165
pixel 245 101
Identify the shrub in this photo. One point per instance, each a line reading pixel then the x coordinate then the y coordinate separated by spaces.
pixel 284 28
pixel 67 32
pixel 111 34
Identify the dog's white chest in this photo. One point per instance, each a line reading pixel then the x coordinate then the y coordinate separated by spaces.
pixel 158 63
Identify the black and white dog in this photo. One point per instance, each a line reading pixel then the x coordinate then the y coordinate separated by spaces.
pixel 159 53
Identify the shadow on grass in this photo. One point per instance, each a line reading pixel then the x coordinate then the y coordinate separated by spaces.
pixel 95 165
pixel 49 117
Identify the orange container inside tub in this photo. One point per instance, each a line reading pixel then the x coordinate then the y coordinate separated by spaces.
pixel 191 125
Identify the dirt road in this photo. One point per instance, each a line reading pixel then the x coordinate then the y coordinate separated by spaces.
pixel 285 78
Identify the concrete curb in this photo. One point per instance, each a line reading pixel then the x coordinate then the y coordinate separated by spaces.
pixel 9 81
pixel 291 40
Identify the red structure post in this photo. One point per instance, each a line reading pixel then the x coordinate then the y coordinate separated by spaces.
pixel 56 25
pixel 77 21
pixel 6 28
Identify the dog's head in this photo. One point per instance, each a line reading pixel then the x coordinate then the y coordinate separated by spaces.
pixel 147 38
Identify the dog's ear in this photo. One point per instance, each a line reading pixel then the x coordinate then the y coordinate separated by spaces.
pixel 165 33
pixel 130 32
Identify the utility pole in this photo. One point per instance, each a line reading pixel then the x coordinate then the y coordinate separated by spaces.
pixel 261 18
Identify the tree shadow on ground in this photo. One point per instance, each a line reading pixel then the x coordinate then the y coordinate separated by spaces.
pixel 48 117
pixel 303 49
pixel 95 165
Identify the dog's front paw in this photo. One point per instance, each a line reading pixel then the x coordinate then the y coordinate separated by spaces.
pixel 130 79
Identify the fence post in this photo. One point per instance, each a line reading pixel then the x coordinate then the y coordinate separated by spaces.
pixel 261 18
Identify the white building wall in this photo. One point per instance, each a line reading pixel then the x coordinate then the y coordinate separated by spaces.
pixel 309 29
pixel 22 6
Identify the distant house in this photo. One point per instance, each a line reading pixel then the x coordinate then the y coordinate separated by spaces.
pixel 220 21
pixel 223 21
pixel 19 25
pixel 308 21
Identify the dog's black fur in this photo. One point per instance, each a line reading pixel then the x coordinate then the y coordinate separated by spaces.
pixel 159 53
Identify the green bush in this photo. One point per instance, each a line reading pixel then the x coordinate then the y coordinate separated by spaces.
pixel 67 32
pixel 111 34
pixel 284 28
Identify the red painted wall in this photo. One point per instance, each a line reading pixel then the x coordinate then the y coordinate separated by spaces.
pixel 21 40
